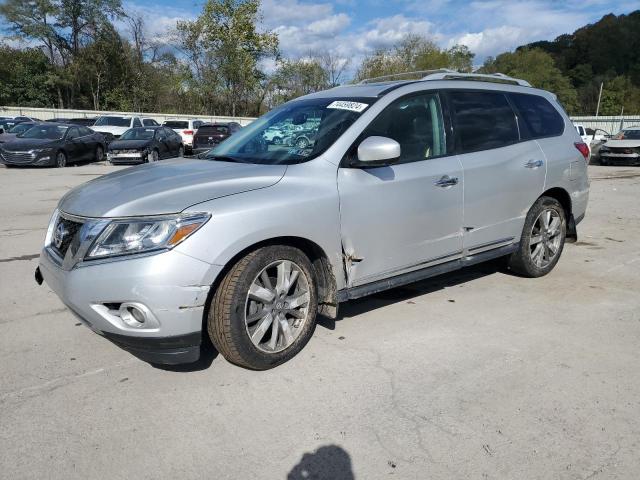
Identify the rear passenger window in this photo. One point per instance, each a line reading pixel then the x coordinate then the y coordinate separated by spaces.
pixel 414 122
pixel 538 117
pixel 483 120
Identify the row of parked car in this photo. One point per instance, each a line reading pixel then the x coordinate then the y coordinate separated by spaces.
pixel 123 139
pixel 623 148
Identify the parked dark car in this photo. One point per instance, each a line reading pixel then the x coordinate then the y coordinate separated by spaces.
pixel 16 130
pixel 145 144
pixel 53 144
pixel 211 134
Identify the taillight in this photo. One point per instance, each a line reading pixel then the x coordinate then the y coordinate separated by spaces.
pixel 188 132
pixel 584 150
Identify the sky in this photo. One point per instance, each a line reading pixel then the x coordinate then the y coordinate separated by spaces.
pixel 353 28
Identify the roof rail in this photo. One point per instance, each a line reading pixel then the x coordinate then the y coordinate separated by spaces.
pixel 419 74
pixel 483 77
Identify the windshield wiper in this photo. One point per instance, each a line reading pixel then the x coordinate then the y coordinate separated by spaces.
pixel 223 158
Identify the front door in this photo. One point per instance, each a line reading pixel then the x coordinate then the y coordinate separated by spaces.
pixel 503 176
pixel 408 215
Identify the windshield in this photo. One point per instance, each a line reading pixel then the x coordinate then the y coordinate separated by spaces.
pixel 21 127
pixel 138 134
pixel 48 132
pixel 305 129
pixel 113 122
pixel 628 135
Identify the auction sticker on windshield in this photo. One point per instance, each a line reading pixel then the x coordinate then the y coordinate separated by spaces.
pixel 346 105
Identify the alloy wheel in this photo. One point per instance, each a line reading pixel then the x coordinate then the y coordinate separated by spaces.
pixel 546 237
pixel 61 160
pixel 277 306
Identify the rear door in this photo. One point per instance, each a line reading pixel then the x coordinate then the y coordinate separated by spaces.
pixel 407 215
pixel 76 149
pixel 503 173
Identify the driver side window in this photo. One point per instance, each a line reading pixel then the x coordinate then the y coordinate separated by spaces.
pixel 416 123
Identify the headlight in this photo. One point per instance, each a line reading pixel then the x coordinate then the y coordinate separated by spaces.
pixel 141 235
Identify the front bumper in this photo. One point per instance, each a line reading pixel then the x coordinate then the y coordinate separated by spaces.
pixel 620 158
pixel 171 286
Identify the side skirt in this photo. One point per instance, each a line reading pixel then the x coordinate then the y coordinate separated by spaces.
pixel 417 275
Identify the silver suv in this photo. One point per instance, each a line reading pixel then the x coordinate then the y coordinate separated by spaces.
pixel 402 180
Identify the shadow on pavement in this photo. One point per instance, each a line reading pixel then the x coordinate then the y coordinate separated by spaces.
pixel 330 462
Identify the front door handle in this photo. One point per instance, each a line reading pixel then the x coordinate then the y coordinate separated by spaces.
pixel 534 164
pixel 446 181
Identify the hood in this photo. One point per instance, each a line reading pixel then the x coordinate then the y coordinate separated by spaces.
pixel 622 143
pixel 129 144
pixel 109 129
pixel 7 137
pixel 25 144
pixel 166 187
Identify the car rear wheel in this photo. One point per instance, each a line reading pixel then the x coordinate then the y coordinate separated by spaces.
pixel 542 240
pixel 61 160
pixel 264 310
pixel 99 153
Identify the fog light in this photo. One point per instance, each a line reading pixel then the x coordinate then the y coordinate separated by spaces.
pixel 132 315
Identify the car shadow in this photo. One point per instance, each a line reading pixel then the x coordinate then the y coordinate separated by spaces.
pixel 359 306
pixel 330 462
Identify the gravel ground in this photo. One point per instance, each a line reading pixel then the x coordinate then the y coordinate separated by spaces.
pixel 476 375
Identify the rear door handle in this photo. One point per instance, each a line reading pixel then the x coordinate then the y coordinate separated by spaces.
pixel 446 181
pixel 534 164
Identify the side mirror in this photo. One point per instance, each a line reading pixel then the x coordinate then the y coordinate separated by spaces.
pixel 378 152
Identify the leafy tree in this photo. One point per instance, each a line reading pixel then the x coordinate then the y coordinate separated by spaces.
pixel 27 78
pixel 414 53
pixel 539 69
pixel 295 78
pixel 225 47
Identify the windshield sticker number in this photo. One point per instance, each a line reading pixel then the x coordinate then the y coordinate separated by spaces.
pixel 345 105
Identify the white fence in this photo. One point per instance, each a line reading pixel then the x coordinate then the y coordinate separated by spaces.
pixel 48 113
pixel 610 125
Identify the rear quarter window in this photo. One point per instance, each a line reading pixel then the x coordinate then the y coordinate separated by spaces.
pixel 538 117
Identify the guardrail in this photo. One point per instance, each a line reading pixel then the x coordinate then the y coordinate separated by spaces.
pixel 49 113
pixel 611 124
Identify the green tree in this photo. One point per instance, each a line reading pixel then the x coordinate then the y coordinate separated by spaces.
pixel 414 53
pixel 539 69
pixel 27 78
pixel 226 47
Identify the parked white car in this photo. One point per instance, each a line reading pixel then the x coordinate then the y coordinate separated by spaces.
pixel 185 128
pixel 114 125
pixel 623 148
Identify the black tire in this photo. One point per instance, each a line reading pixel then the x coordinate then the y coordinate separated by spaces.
pixel 276 141
pixel 61 159
pixel 521 261
pixel 226 320
pixel 603 161
pixel 302 142
pixel 99 156
pixel 181 151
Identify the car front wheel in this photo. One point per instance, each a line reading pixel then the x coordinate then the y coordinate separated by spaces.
pixel 61 160
pixel 542 239
pixel 264 310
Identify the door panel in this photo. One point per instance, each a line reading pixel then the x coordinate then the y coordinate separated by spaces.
pixel 500 186
pixel 395 219
pixel 402 217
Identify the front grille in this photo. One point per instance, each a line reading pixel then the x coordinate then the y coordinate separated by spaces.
pixel 17 157
pixel 64 233
pixel 625 150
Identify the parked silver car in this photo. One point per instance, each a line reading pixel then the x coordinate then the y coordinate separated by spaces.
pixel 403 180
